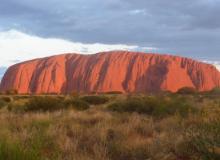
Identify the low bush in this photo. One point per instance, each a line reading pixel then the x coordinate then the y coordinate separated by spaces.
pixel 95 100
pixel 77 104
pixel 6 99
pixel 44 103
pixel 114 92
pixel 155 106
pixel 47 103
pixel 187 90
pixel 132 105
pixel 173 105
pixel 215 91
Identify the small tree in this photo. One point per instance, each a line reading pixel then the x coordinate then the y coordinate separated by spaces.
pixel 187 90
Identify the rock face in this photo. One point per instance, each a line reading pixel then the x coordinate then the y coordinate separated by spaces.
pixel 109 71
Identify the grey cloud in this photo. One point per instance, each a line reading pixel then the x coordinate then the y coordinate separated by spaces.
pixel 190 28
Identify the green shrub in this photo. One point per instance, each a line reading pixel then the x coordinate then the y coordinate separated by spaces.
pixel 215 91
pixel 118 106
pixel 187 90
pixel 172 106
pixel 45 103
pixel 155 106
pixel 95 100
pixel 77 104
pixel 132 105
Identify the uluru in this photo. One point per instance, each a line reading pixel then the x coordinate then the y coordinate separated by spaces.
pixel 110 71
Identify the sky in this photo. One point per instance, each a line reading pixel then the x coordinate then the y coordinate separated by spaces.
pixel 38 28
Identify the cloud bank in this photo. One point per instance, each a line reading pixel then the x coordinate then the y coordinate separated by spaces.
pixel 16 46
pixel 188 28
pixel 215 63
